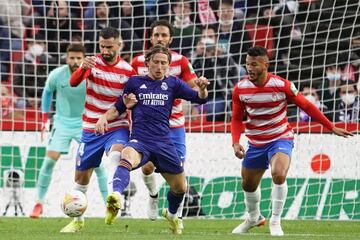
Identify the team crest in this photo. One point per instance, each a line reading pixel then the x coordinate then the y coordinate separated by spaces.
pixel 164 86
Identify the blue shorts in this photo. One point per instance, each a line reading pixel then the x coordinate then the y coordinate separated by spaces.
pixel 178 137
pixel 259 157
pixel 162 154
pixel 93 146
pixel 61 136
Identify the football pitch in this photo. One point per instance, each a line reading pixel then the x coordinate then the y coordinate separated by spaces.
pixel 48 228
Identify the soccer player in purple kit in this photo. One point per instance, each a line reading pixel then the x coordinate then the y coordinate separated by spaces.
pixel 151 98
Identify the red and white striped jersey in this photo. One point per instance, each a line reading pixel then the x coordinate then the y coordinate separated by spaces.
pixel 105 83
pixel 266 108
pixel 179 67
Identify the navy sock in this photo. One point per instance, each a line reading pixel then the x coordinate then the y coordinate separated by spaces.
pixel 121 177
pixel 174 200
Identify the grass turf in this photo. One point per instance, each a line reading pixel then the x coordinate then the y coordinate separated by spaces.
pixel 48 228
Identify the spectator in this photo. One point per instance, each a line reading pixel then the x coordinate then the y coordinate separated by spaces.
pixel 30 74
pixel 310 93
pixel 232 37
pixel 6 102
pixel 58 28
pixel 186 34
pixel 132 12
pixel 280 14
pixel 208 36
pixel 348 109
pixel 132 43
pixel 222 72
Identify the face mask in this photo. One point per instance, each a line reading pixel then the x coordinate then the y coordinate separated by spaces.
pixel 36 50
pixel 333 76
pixel 348 99
pixel 226 22
pixel 311 99
pixel 209 41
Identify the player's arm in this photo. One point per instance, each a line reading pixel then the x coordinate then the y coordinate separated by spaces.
pixel 237 127
pixel 83 71
pixel 311 110
pixel 46 98
pixel 185 92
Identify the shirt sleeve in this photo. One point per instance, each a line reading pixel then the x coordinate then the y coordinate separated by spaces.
pixel 238 109
pixel 297 98
pixel 183 91
pixel 48 92
pixel 119 105
pixel 134 65
pixel 79 75
pixel 187 71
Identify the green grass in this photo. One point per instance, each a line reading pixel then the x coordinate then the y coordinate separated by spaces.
pixel 48 228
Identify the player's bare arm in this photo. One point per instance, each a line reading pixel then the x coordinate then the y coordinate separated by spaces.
pixel 102 124
pixel 130 100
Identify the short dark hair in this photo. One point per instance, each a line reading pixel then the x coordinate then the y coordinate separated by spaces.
pixel 75 48
pixel 228 2
pixel 158 48
pixel 257 51
pixel 100 3
pixel 109 32
pixel 163 23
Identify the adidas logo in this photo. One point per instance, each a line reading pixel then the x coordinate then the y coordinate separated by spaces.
pixel 143 86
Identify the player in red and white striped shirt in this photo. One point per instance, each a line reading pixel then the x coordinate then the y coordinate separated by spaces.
pixel 161 33
pixel 263 97
pixel 106 75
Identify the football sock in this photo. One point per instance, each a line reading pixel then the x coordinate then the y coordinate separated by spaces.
pixel 252 203
pixel 81 188
pixel 45 177
pixel 174 200
pixel 121 177
pixel 150 183
pixel 102 181
pixel 278 197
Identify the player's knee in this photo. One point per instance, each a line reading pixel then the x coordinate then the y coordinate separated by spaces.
pixel 279 178
pixel 148 168
pixel 130 155
pixel 179 187
pixel 248 186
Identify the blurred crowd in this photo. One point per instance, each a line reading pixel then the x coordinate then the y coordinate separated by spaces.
pixel 214 35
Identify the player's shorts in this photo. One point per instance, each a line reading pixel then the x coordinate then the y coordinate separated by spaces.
pixel 61 136
pixel 92 147
pixel 259 157
pixel 163 155
pixel 178 137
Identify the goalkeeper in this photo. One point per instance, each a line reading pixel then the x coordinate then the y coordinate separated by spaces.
pixel 67 122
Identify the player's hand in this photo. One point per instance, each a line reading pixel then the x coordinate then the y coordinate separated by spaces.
pixel 202 82
pixel 239 150
pixel 341 132
pixel 89 62
pixel 130 100
pixel 101 125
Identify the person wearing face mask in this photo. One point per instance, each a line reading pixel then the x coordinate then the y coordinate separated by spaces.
pixel 332 80
pixel 233 38
pixel 348 108
pixel 30 74
pixel 185 31
pixel 310 93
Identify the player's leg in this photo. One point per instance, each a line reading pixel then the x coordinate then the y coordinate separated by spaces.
pixel 179 139
pixel 100 172
pixel 82 179
pixel 149 179
pixel 130 158
pixel 114 146
pixel 88 157
pixel 44 180
pixel 58 143
pixel 178 187
pixel 253 168
pixel 280 163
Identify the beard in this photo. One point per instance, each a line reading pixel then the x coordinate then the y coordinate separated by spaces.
pixel 73 68
pixel 107 57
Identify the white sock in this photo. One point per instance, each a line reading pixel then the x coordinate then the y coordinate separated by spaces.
pixel 181 208
pixel 81 188
pixel 252 203
pixel 150 183
pixel 278 197
pixel 171 216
